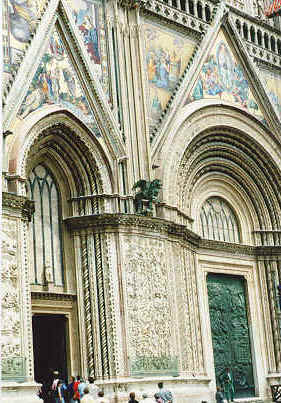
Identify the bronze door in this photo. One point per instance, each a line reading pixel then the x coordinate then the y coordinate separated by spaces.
pixel 230 331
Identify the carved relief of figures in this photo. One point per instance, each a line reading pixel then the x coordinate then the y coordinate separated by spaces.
pixel 148 299
pixel 10 317
pixel 10 350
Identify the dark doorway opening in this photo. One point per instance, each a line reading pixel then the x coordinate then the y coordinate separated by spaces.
pixel 49 346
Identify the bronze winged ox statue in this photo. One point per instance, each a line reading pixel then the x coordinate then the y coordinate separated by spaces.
pixel 148 191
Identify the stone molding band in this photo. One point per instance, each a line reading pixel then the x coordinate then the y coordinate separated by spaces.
pixel 105 222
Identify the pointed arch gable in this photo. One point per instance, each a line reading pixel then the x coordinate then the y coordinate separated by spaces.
pixel 58 17
pixel 90 152
pixel 251 161
pixel 225 25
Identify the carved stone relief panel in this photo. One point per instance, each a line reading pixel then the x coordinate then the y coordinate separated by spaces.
pixel 149 304
pixel 11 337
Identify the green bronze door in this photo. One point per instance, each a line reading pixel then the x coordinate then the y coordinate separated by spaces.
pixel 230 331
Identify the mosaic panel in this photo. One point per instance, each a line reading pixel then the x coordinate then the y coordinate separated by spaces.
pixel 222 77
pixel 55 82
pixel 89 18
pixel 166 56
pixel 19 22
pixel 273 86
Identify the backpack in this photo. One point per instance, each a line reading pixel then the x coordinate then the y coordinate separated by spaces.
pixel 168 397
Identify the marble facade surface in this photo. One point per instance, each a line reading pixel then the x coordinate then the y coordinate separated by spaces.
pixel 134 292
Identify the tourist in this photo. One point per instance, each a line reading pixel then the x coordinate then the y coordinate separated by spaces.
pixel 146 399
pixel 82 385
pixel 228 385
pixel 165 394
pixel 219 395
pixel 87 398
pixel 70 389
pixel 101 398
pixel 157 398
pixel 55 380
pixel 59 392
pixel 76 394
pixel 93 389
pixel 133 398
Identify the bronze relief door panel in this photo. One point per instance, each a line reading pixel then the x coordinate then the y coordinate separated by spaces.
pixel 230 331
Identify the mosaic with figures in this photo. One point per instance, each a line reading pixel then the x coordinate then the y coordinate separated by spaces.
pixel 19 22
pixel 89 18
pixel 273 86
pixel 167 56
pixel 55 82
pixel 222 77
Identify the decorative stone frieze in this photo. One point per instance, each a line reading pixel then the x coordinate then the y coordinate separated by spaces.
pixel 18 203
pixel 103 221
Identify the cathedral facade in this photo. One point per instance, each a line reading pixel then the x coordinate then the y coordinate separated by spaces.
pixel 141 214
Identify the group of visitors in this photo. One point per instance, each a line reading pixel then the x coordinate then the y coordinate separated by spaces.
pixel 55 390
pixel 162 396
pixel 77 390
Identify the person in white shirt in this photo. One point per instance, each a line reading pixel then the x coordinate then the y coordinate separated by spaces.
pixel 93 389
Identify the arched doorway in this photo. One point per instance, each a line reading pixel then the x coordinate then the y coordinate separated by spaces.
pixel 61 169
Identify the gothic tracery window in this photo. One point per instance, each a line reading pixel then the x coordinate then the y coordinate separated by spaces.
pixel 218 221
pixel 46 231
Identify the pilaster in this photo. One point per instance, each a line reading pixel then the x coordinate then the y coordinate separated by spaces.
pixel 17 347
pixel 130 60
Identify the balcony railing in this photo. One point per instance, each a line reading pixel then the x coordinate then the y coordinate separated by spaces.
pixel 119 204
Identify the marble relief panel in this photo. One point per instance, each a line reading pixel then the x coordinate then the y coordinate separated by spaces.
pixel 149 302
pixel 222 77
pixel 56 82
pixel 89 18
pixel 10 315
pixel 167 55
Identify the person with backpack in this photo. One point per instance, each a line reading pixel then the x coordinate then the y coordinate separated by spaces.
pixel 165 394
pixel 76 393
pixel 59 392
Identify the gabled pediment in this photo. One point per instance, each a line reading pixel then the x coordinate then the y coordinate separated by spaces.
pixel 58 70
pixel 222 70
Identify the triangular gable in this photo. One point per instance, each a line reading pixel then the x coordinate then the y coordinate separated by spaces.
pixel 89 19
pixel 58 12
pixel 167 55
pixel 255 100
pixel 222 77
pixel 56 83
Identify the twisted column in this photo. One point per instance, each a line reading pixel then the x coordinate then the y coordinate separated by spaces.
pixel 87 304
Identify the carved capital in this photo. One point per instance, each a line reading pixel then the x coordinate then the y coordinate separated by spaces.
pixel 19 203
